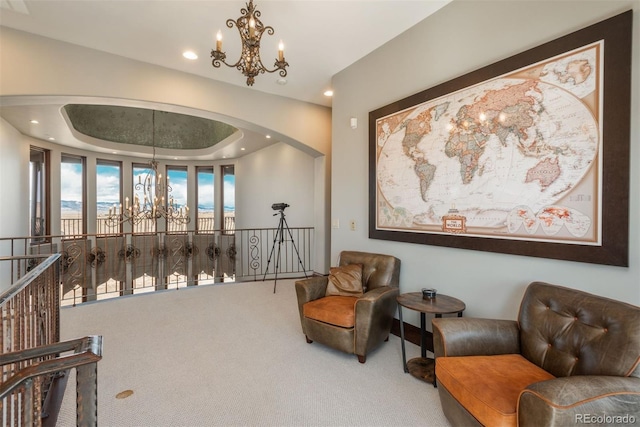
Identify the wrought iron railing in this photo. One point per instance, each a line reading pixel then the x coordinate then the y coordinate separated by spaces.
pixel 29 318
pixel 23 394
pixel 259 249
pixel 95 267
pixel 30 357
pixel 72 227
pixel 30 308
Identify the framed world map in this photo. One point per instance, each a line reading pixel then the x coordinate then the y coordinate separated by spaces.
pixel 528 156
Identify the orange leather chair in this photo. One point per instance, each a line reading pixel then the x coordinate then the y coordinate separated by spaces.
pixel 352 309
pixel 571 358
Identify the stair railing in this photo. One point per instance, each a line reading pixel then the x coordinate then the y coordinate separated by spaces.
pixel 26 384
pixel 30 356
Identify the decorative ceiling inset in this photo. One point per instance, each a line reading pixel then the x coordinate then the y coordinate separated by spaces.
pixel 128 125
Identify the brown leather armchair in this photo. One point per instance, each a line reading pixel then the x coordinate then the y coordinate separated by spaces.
pixel 354 324
pixel 571 358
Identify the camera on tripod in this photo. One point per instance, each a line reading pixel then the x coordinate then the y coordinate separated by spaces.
pixel 279 239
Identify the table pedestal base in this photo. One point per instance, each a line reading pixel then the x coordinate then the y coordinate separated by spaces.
pixel 423 368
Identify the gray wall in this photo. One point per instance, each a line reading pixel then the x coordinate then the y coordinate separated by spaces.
pixel 15 183
pixel 275 174
pixel 460 38
pixel 13 222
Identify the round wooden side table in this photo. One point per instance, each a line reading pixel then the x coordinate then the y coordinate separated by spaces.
pixel 424 367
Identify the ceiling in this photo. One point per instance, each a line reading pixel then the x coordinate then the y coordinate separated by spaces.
pixel 321 38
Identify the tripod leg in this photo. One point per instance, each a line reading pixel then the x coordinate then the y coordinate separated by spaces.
pixel 275 280
pixel 275 238
pixel 295 248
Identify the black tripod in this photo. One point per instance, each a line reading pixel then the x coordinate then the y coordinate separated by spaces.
pixel 279 238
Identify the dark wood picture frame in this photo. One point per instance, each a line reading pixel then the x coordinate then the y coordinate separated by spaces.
pixel 614 249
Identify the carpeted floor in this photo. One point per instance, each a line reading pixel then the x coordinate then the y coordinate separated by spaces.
pixel 235 355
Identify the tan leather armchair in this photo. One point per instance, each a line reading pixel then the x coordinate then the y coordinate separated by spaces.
pixel 352 324
pixel 571 358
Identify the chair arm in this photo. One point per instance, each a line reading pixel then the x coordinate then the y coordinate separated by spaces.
pixel 376 298
pixel 311 289
pixel 374 317
pixel 580 399
pixel 465 336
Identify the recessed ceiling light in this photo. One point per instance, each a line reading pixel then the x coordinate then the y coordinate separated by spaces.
pixel 51 138
pixel 268 136
pixel 242 149
pixel 114 152
pixel 34 122
pixel 189 54
pixel 328 93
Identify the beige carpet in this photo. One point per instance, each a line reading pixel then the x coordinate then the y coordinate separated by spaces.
pixel 235 355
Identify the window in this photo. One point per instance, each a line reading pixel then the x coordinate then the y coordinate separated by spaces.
pixel 205 216
pixel 108 195
pixel 142 195
pixel 38 194
pixel 229 198
pixel 72 196
pixel 177 195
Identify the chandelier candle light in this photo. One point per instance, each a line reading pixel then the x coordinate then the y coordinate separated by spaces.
pixel 251 29
pixel 154 206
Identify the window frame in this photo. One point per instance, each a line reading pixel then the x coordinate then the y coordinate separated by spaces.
pixel 40 182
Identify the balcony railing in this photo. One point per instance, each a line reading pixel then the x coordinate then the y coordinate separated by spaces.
pixel 100 266
pixel 72 227
pixel 259 249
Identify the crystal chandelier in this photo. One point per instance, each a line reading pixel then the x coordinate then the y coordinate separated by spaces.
pixel 154 204
pixel 251 29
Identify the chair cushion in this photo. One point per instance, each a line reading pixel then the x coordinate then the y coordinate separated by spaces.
pixel 489 386
pixel 335 310
pixel 345 280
